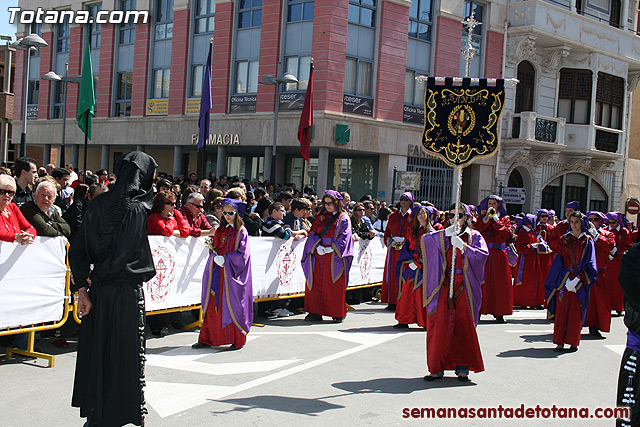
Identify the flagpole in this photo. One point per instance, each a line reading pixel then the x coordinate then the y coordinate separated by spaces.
pixel 468 53
pixel 203 134
pixel 86 121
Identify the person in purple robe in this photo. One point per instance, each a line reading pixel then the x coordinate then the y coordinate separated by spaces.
pixel 568 284
pixel 452 341
pixel 227 291
pixel 326 261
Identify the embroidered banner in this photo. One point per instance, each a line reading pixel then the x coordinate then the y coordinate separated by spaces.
pixel 461 120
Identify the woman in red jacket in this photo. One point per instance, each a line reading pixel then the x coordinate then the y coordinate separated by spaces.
pixel 164 219
pixel 13 225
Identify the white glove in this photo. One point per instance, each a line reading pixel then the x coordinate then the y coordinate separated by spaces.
pixel 457 243
pixel 494 217
pixel 613 251
pixel 398 239
pixel 571 284
pixel 449 231
pixel 413 266
pixel 320 250
pixel 219 259
pixel 593 231
pixel 327 250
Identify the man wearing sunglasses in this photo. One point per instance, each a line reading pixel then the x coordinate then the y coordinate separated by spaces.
pixel 192 211
pixel 400 223
pixel 495 226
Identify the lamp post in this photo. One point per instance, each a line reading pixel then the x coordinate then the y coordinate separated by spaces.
pixel 52 76
pixel 270 80
pixel 32 41
pixel 6 90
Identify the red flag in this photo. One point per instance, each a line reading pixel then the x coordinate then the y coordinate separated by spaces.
pixel 306 120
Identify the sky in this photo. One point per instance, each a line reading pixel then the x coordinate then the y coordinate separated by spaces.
pixel 5 27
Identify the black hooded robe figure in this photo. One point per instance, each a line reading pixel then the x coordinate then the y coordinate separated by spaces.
pixel 109 378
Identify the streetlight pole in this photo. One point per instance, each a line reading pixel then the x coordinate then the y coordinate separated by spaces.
pixel 52 76
pixel 270 80
pixel 32 41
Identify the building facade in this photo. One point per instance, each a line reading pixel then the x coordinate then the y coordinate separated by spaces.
pixel 563 129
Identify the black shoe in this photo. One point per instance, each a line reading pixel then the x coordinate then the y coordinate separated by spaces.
pixel 500 319
pixel 390 307
pixel 538 307
pixel 160 332
pixel 177 325
pixel 618 313
pixel 199 345
pixel 337 319
pixel 313 318
pixel 559 348
pixel 431 378
pixel 401 326
pixel 233 347
pixel 572 349
pixel 594 332
pixel 463 378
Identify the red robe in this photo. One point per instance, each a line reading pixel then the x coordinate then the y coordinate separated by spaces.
pixel 328 297
pixel 497 291
pixel 410 305
pixel 545 260
pixel 599 311
pixel 623 243
pixel 451 334
pixel 567 323
pixel 397 226
pixel 527 289
pixel 212 333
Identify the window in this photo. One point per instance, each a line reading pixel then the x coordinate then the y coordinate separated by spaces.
pixel 35 28
pixel 197 72
pixel 127 29
pixel 33 92
pixel 420 20
pixel 96 29
pixel 525 87
pixel 300 10
pixel 62 35
pixel 362 12
pixel 357 79
pixel 574 96
pixel 299 66
pixel 609 101
pixel 246 77
pixel 477 10
pixel 124 84
pixel 164 19
pixel 160 83
pixel 413 89
pixel 249 13
pixel 58 100
pixel 205 16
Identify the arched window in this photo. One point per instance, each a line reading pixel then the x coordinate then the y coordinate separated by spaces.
pixel 525 88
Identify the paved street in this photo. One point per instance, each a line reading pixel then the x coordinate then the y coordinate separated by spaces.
pixel 361 372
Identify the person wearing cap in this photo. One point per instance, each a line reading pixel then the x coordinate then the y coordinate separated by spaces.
pixel 567 287
pixel 410 306
pixel 599 311
pixel 545 254
pixel 227 286
pixel 400 223
pixel 326 261
pixel 527 290
pixel 618 226
pixel 452 341
pixel 495 226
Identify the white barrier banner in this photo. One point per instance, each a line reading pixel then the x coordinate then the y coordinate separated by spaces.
pixel 179 268
pixel 277 270
pixel 32 281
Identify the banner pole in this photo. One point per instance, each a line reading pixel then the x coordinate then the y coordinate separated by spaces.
pixel 457 182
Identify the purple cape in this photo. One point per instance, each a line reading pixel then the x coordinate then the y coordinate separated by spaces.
pixel 434 250
pixel 406 257
pixel 237 307
pixel 559 274
pixel 342 255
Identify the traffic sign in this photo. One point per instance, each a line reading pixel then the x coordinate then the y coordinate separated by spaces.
pixel 633 207
pixel 514 190
pixel 516 199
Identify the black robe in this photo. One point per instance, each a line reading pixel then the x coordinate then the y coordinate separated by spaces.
pixel 113 237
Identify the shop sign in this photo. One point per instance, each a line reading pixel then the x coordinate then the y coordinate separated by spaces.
pixel 193 106
pixel 413 114
pixel 32 112
pixel 157 107
pixel 342 134
pixel 292 101
pixel 357 105
pixel 219 139
pixel 243 104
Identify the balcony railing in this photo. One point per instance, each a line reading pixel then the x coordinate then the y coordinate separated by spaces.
pixel 530 126
pixel 607 141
